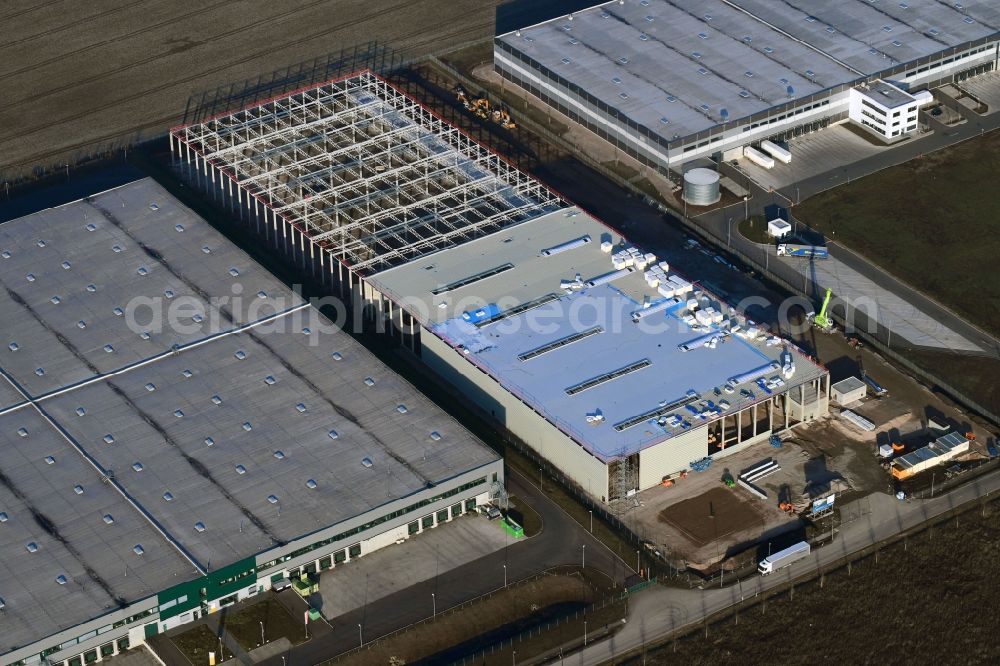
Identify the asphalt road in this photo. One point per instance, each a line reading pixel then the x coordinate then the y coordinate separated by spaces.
pixel 559 543
pixel 659 611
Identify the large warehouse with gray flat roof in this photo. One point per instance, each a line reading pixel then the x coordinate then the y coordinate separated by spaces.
pixel 181 431
pixel 614 367
pixel 672 80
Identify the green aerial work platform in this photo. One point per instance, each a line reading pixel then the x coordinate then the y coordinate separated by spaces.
pixel 512 528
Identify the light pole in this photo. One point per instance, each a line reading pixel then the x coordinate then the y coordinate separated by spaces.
pixel 584 633
pixel 591 521
pixel 361 641
pixel 434 605
pixel 729 233
pixel 637 561
pixel 746 206
pixel 505 575
pixel 262 633
pixel 583 556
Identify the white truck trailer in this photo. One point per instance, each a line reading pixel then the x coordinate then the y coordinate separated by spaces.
pixel 758 158
pixel 776 151
pixel 783 558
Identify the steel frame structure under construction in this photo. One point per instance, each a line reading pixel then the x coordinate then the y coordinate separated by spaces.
pixel 359 169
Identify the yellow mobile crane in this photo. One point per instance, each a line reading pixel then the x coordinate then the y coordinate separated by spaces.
pixel 822 320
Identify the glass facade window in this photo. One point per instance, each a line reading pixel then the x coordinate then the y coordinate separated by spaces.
pixel 355 550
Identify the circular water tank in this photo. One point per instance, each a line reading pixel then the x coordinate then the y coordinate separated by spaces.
pixel 701 187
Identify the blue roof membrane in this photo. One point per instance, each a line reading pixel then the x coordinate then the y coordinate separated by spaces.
pixel 543 380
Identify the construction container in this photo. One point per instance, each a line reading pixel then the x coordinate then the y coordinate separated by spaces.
pixel 942 449
pixel 848 391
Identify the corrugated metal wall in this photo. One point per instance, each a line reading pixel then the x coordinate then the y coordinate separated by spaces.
pixel 671 456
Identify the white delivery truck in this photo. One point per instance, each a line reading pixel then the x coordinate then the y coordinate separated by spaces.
pixel 783 558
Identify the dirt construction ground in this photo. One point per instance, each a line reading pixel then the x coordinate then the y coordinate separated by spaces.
pixel 84 77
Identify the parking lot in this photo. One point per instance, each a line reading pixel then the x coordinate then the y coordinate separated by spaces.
pixel 813 154
pixel 420 558
pixel 985 87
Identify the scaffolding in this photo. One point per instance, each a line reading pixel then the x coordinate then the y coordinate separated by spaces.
pixel 362 171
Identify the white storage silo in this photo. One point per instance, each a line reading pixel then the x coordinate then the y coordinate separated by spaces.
pixel 701 187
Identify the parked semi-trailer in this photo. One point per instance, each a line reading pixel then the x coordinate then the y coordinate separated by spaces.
pixel 758 157
pixel 783 558
pixel 788 250
pixel 776 151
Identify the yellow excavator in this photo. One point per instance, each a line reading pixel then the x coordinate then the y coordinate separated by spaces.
pixel 483 108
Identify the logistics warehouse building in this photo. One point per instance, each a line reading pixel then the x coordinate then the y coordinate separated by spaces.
pixel 605 361
pixel 671 80
pixel 154 473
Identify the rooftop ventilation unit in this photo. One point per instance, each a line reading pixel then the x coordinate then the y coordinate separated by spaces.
pixel 186 373
pixel 199 526
pixel 269 380
pixel 369 381
pixel 401 409
pixel 49 460
pixel 279 455
pixel 137 466
pixel 241 470
pixel 311 484
pixel 78 489
pixel 12 346
pixel 607 377
pixel 337 356
pixel 61 579
pixel 240 354
pixel 109 519
pixel 168 496
pixel 247 426
pixel 216 400
pixel 209 441
pixel 563 247
pixel 80 411
pixel 332 434
pixel 109 439
pixel 273 499
pixel 32 547
pixel 559 344
pixel 436 436
pixel 367 462
pixel 138 549
pixel 3 517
